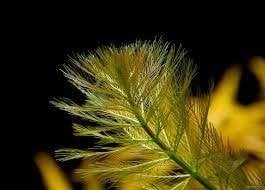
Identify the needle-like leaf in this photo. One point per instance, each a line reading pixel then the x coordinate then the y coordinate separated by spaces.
pixel 138 95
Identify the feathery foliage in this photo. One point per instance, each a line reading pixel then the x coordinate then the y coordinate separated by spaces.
pixel 138 96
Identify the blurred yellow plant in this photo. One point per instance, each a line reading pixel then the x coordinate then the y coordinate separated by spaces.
pixel 52 175
pixel 257 66
pixel 243 125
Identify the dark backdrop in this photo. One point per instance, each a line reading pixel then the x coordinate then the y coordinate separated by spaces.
pixel 37 38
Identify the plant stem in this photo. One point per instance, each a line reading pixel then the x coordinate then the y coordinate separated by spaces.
pixel 163 146
pixel 173 155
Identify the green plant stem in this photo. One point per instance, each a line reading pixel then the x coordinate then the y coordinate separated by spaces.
pixel 164 147
pixel 173 155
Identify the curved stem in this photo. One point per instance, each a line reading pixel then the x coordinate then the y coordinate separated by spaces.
pixel 162 145
pixel 172 154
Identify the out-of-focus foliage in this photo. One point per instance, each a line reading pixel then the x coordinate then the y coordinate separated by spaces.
pixel 258 68
pixel 243 125
pixel 52 175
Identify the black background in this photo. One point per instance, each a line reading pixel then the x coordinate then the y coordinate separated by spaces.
pixel 37 38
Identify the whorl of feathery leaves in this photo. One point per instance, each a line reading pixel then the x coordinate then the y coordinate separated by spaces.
pixel 138 96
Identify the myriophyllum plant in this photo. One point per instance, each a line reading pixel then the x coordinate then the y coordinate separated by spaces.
pixel 138 102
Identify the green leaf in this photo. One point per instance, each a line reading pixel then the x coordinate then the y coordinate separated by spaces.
pixel 138 94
